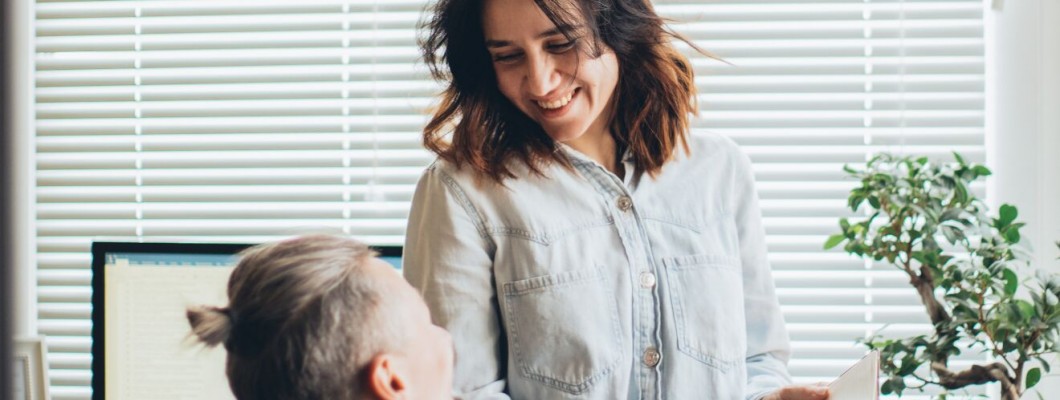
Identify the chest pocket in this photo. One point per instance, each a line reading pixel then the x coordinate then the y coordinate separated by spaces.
pixel 706 295
pixel 563 329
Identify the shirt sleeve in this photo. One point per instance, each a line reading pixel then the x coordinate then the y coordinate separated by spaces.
pixel 447 257
pixel 768 347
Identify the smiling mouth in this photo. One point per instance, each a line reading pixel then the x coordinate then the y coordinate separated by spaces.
pixel 558 103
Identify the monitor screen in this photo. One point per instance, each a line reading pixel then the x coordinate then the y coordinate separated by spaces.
pixel 141 342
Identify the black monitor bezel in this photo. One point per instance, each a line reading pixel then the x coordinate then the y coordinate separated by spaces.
pixel 99 251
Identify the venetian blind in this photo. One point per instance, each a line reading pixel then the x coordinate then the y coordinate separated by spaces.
pixel 811 86
pixel 253 120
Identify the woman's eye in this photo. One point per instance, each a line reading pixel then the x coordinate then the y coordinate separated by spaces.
pixel 506 58
pixel 561 47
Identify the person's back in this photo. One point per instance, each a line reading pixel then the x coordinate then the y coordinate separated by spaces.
pixel 319 317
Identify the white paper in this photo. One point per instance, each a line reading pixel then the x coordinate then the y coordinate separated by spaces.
pixel 860 382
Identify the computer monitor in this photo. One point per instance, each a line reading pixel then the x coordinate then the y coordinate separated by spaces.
pixel 141 342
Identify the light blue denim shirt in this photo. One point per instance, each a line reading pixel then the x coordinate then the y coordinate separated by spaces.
pixel 581 284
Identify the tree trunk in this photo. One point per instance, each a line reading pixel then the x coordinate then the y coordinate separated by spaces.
pixel 1009 390
pixel 926 289
pixel 978 375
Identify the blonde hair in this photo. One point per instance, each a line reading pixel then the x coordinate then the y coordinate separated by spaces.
pixel 302 321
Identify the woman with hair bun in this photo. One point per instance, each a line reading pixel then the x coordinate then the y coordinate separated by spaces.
pixel 320 317
pixel 574 235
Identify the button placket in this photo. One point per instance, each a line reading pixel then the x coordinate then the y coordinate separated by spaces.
pixel 652 357
pixel 647 280
pixel 625 203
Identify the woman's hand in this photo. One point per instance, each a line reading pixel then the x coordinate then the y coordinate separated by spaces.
pixel 799 393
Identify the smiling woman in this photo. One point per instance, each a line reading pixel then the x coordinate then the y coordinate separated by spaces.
pixel 556 77
pixel 574 236
pixel 518 85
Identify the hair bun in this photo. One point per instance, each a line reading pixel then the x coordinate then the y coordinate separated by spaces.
pixel 212 325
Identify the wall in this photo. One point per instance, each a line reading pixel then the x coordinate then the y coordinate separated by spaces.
pixel 1023 124
pixel 22 185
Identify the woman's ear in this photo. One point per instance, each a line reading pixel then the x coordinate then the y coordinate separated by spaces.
pixel 386 380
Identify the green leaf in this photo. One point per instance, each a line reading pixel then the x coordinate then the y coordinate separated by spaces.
pixel 960 160
pixel 1012 236
pixel 1033 376
pixel 1008 214
pixel 982 171
pixel 960 193
pixel 1026 309
pixel 919 257
pixel 834 241
pixel 909 365
pixel 1008 346
pixel 952 234
pixel 886 388
pixel 898 384
pixel 855 201
pixel 874 202
pixel 1012 282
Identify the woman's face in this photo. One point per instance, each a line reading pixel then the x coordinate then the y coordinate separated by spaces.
pixel 549 78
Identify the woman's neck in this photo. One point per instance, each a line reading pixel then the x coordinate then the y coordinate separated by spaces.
pixel 600 147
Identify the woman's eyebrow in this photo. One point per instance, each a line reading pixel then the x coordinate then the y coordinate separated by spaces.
pixel 490 43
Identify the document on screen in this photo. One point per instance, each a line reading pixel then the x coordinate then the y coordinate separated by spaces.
pixel 860 382
pixel 149 351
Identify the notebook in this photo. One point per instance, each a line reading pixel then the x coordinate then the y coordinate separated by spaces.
pixel 860 382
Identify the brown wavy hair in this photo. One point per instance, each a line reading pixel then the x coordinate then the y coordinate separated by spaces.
pixel 476 125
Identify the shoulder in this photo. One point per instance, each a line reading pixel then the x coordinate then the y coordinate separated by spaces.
pixel 446 176
pixel 712 143
pixel 440 168
pixel 714 148
pixel 464 179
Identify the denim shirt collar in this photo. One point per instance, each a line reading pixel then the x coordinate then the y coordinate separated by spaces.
pixel 582 160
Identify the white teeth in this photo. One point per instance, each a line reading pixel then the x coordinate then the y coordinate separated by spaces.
pixel 554 104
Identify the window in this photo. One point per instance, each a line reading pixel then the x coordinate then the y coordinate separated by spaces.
pixel 249 121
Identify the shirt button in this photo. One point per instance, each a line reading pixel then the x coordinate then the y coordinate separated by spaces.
pixel 625 203
pixel 652 357
pixel 647 280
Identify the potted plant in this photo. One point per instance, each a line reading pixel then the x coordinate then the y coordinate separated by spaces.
pixel 966 266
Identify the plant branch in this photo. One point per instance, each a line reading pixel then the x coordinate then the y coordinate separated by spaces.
pixel 986 329
pixel 974 375
pixel 925 287
pixel 1009 389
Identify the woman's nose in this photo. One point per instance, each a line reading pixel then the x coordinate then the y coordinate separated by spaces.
pixel 542 77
